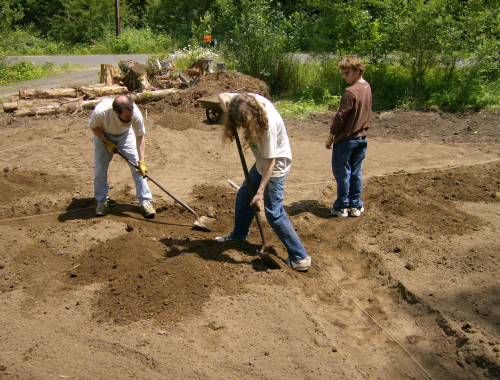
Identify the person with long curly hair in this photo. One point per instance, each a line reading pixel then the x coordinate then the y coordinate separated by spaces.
pixel 264 133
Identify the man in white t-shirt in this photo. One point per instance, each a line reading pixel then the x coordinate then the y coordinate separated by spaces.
pixel 264 132
pixel 118 125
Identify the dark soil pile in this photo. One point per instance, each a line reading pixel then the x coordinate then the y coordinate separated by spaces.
pixel 186 100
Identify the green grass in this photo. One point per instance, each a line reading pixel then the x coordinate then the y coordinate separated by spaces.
pixel 25 70
pixel 299 109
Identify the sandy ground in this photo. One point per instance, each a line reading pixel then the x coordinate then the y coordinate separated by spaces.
pixel 410 290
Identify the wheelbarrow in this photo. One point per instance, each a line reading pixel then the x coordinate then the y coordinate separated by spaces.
pixel 213 109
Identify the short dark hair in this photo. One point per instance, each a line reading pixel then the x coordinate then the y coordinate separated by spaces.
pixel 121 102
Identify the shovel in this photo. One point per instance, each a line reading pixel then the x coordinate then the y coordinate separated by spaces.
pixel 263 255
pixel 201 221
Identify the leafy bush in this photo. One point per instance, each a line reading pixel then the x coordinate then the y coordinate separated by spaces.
pixel 24 42
pixel 133 41
pixel 22 70
pixel 253 38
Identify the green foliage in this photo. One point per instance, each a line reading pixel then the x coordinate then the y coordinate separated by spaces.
pixel 11 12
pixel 23 42
pixel 22 70
pixel 84 21
pixel 299 109
pixel 175 18
pixel 132 41
pixel 37 14
pixel 253 37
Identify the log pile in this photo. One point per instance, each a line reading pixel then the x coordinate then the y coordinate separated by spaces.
pixel 142 82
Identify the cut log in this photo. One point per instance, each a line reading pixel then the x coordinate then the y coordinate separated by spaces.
pixel 73 105
pixel 9 106
pixel 47 110
pixel 93 91
pixel 99 91
pixel 48 93
pixel 152 95
pixel 12 106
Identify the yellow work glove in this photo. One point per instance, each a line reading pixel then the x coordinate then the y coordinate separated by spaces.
pixel 142 168
pixel 111 147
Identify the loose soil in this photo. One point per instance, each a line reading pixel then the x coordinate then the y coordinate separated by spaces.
pixel 409 290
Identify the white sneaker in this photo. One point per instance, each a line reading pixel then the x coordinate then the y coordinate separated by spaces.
pixel 342 213
pixel 355 211
pixel 147 210
pixel 300 265
pixel 223 239
pixel 102 208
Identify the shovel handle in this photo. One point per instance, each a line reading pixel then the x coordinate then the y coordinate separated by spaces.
pixel 160 186
pixel 250 190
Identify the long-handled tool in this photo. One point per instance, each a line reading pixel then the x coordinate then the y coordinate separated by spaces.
pixel 201 221
pixel 262 254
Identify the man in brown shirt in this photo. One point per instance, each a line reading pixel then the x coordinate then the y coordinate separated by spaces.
pixel 348 138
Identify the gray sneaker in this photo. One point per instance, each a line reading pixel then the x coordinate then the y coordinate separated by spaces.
pixel 356 211
pixel 300 265
pixel 102 208
pixel 147 210
pixel 341 213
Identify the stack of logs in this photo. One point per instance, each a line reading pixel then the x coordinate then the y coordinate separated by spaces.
pixel 32 102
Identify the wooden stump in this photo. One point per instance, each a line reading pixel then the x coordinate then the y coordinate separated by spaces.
pixel 110 75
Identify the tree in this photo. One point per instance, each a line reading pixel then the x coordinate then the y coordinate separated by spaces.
pixel 176 17
pixel 85 21
pixel 37 14
pixel 11 13
pixel 252 36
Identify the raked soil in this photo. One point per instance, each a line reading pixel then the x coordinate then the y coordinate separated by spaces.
pixel 409 290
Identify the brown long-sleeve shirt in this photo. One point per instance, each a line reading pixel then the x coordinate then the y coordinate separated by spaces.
pixel 353 116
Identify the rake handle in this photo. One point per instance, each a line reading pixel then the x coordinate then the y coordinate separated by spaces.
pixel 160 186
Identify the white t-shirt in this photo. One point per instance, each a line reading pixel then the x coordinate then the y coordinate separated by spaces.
pixel 274 142
pixel 104 117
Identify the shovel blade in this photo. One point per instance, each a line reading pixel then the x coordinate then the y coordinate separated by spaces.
pixel 268 260
pixel 202 221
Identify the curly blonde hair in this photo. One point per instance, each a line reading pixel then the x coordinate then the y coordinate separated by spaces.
pixel 247 113
pixel 352 62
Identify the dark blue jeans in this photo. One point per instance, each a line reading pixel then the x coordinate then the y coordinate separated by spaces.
pixel 347 157
pixel 274 210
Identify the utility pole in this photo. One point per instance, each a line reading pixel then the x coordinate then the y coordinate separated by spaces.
pixel 117 7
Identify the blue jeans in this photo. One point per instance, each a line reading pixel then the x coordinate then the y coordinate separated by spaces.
pixel 274 211
pixel 127 144
pixel 347 157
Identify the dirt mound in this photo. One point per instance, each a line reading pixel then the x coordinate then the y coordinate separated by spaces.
pixel 211 84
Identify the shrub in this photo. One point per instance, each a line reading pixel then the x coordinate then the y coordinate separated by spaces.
pixel 22 70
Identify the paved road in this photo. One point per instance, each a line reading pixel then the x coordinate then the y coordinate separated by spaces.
pixel 87 60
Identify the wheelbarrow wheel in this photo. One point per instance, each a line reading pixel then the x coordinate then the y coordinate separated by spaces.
pixel 213 116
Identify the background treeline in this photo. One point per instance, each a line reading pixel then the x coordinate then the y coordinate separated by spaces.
pixel 441 53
